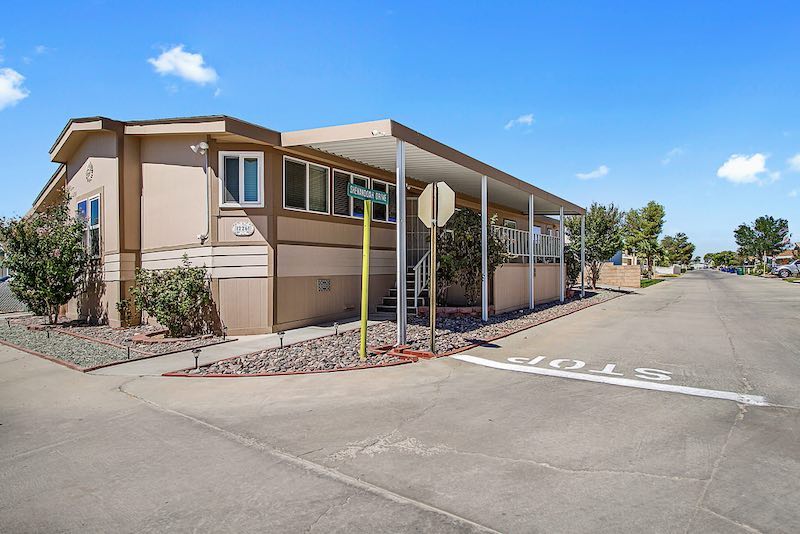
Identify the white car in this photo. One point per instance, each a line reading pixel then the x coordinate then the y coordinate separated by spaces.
pixel 785 271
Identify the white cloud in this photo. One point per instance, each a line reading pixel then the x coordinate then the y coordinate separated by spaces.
pixel 794 163
pixel 41 49
pixel 672 154
pixel 793 193
pixel 2 46
pixel 599 172
pixel 217 92
pixel 185 65
pixel 522 120
pixel 11 89
pixel 743 169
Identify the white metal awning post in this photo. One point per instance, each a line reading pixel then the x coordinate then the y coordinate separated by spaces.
pixel 484 249
pixel 561 251
pixel 583 254
pixel 400 178
pixel 531 257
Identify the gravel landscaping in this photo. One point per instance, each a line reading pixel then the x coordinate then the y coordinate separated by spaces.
pixel 70 349
pixel 341 352
pixel 100 349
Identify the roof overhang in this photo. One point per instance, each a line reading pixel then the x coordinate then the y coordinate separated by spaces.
pixel 76 131
pixel 427 160
pixel 220 128
pixel 47 194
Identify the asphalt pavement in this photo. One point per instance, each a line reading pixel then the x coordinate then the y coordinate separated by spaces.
pixel 675 409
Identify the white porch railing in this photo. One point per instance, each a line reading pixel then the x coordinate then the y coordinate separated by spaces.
pixel 421 275
pixel 544 246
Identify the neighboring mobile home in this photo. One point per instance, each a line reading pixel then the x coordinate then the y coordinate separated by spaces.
pixel 268 214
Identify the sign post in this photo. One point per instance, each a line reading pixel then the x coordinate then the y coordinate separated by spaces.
pixel 437 204
pixel 368 196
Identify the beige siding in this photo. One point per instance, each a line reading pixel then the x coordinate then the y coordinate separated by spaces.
pixel 298 302
pixel 242 304
pixel 173 192
pixel 511 285
pixel 305 260
pixel 333 232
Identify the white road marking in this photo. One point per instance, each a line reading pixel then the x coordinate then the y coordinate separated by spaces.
pixel 752 400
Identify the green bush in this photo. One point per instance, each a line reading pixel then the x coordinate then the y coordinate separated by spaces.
pixel 178 298
pixel 459 255
pixel 46 253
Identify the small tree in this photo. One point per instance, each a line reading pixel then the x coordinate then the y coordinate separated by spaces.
pixel 178 298
pixel 677 249
pixel 642 228
pixel 459 251
pixel 603 237
pixel 765 237
pixel 46 253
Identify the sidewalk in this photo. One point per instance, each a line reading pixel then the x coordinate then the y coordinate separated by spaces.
pixel 159 365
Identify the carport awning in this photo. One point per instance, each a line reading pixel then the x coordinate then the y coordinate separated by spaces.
pixel 426 160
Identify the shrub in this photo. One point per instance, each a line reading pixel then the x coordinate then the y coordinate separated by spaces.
pixel 46 253
pixel 459 255
pixel 572 266
pixel 178 298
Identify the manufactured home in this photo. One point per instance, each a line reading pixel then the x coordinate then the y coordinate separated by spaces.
pixel 268 214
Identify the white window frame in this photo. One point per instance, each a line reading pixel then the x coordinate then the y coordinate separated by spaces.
pixel 87 233
pixel 221 176
pixel 352 175
pixel 308 189
pixel 387 221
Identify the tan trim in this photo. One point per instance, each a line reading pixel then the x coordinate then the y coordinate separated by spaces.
pixel 331 245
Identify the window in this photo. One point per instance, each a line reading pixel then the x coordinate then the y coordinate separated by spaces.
pixel 381 212
pixel 89 210
pixel 242 179
pixel 510 223
pixel 305 186
pixel 342 204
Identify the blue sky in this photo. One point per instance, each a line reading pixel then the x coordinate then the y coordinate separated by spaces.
pixel 695 104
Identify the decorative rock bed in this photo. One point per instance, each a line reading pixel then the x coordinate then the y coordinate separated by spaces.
pixel 89 346
pixel 338 352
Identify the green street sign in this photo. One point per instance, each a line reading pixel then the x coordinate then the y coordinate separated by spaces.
pixel 364 193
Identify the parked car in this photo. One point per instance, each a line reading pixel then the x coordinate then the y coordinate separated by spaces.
pixel 5 278
pixel 790 269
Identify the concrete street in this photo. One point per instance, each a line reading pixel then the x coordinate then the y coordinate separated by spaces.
pixel 440 446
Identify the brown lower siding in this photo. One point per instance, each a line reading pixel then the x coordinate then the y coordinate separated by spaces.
pixel 511 285
pixel 298 303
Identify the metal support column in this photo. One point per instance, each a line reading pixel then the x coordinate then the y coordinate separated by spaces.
pixel 484 249
pixel 561 250
pixel 402 268
pixel 583 255
pixel 531 258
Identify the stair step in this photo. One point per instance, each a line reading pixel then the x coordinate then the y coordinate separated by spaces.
pixel 392 301
pixel 409 292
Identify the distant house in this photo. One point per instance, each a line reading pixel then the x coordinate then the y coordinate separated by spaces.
pixel 3 269
pixel 787 256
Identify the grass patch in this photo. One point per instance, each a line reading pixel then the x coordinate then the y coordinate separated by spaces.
pixel 647 282
pixel 791 279
pixel 668 275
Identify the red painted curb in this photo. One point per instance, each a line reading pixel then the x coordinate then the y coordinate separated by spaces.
pixel 182 373
pixel 70 365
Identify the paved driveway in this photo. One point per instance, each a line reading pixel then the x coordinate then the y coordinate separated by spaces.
pixel 438 446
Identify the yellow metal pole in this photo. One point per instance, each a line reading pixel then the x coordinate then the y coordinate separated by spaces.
pixel 365 279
